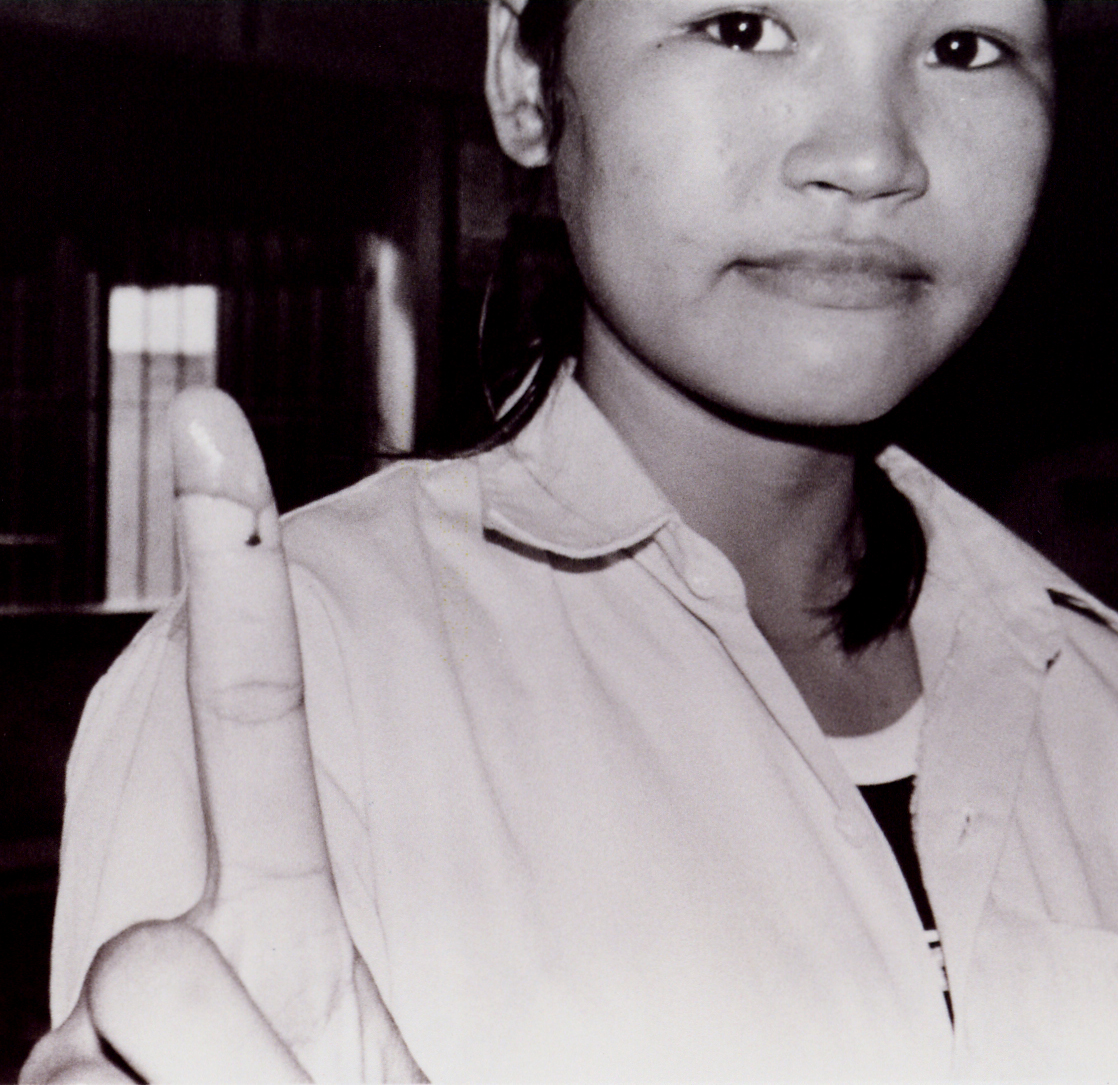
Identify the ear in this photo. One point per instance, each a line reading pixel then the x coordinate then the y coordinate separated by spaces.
pixel 513 89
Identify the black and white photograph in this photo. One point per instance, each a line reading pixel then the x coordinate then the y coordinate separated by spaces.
pixel 558 540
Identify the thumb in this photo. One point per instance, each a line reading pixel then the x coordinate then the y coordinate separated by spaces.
pixel 167 1001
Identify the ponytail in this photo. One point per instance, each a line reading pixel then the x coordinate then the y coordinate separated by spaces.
pixel 889 572
pixel 531 321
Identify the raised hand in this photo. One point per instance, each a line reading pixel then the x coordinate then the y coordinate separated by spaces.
pixel 260 980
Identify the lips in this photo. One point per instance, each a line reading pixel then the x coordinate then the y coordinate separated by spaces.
pixel 864 275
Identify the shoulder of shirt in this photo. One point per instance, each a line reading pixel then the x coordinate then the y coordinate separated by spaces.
pixel 378 535
pixel 377 523
pixel 1086 619
pixel 1089 627
pixel 1089 623
pixel 407 491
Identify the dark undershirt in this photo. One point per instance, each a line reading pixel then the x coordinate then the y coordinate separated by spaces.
pixel 891 805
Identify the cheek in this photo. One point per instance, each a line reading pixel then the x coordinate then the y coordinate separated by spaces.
pixel 652 197
pixel 757 140
pixel 659 154
pixel 990 176
pixel 622 197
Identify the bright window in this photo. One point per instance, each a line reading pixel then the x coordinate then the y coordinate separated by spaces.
pixel 160 341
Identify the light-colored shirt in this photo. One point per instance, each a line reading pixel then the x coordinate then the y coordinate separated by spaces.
pixel 584 826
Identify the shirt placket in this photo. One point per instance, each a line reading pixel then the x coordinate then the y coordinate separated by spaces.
pixel 975 740
pixel 704 581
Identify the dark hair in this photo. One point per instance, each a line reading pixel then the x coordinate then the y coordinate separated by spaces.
pixel 532 321
pixel 531 318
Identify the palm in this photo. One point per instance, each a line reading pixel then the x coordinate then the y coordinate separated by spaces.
pixel 311 1001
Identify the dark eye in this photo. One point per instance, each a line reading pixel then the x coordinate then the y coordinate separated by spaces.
pixel 749 32
pixel 965 50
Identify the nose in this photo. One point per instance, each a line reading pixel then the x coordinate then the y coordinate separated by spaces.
pixel 860 145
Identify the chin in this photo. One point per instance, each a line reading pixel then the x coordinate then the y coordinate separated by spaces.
pixel 825 368
pixel 846 392
pixel 816 418
pixel 855 410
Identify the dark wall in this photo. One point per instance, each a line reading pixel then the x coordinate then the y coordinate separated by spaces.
pixel 258 169
pixel 48 664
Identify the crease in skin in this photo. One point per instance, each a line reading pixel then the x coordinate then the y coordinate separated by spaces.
pixel 257 702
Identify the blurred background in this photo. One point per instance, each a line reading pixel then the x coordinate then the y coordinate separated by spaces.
pixel 301 202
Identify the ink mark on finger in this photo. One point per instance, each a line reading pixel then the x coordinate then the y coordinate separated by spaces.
pixel 254 539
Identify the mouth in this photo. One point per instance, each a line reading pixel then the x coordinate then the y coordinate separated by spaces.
pixel 852 275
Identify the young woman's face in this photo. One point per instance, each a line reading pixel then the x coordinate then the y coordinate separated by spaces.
pixel 797 210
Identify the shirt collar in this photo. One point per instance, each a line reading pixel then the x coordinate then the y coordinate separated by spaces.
pixel 567 483
pixel 974 562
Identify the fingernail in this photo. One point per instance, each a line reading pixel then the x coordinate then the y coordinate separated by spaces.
pixel 214 450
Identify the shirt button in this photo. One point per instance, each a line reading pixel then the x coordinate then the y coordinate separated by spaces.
pixel 700 585
pixel 854 827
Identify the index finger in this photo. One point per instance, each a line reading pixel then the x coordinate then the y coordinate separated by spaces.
pixel 244 667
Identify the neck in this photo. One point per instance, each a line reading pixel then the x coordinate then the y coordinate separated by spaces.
pixel 778 504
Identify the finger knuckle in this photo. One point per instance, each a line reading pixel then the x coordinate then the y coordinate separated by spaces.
pixel 255 701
